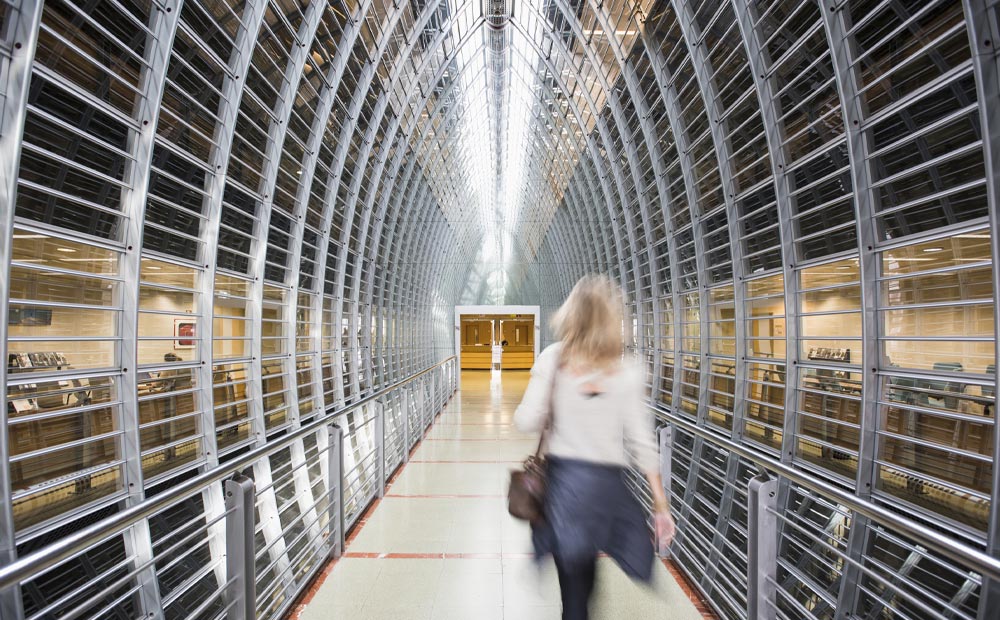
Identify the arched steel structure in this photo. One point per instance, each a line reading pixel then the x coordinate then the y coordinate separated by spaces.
pixel 258 211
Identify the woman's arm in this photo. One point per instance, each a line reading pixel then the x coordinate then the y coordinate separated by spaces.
pixel 639 434
pixel 532 413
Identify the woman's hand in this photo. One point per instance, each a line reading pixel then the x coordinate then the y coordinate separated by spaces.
pixel 666 529
pixel 663 522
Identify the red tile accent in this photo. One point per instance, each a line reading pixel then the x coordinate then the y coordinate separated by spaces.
pixel 452 439
pixel 443 461
pixel 310 592
pixel 693 594
pixel 434 556
pixel 508 424
pixel 457 496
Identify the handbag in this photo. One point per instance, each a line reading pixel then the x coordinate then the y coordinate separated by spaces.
pixel 526 493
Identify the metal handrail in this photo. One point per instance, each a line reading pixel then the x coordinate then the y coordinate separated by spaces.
pixel 26 567
pixel 966 555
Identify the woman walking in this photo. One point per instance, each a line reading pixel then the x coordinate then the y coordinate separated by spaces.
pixel 593 401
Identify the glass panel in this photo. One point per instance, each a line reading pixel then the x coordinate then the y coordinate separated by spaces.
pixel 829 416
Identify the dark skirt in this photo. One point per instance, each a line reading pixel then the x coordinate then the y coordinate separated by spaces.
pixel 589 509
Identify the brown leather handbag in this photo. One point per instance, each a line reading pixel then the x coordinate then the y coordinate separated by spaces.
pixel 526 494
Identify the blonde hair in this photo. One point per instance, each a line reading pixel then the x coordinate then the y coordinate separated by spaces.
pixel 589 324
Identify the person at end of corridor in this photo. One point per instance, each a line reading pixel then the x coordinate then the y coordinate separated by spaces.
pixel 598 418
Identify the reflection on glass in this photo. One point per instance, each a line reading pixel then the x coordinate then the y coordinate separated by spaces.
pixel 829 415
pixel 722 389
pixel 937 445
pixel 272 327
pixel 303 323
pixel 722 324
pixel 304 381
pixel 164 274
pixel 72 312
pixel 41 251
pixel 43 397
pixel 690 377
pixel 38 356
pixel 54 287
pixel 34 507
pixel 48 448
pixel 275 394
pixel 666 379
pixel 168 459
pixel 939 309
pixel 765 394
pixel 963 250
pixel 168 326
pixel 59 436
pixel 232 409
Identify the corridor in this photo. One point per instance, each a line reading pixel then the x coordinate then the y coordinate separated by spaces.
pixel 440 545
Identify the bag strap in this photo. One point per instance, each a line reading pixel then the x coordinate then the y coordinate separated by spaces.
pixel 550 418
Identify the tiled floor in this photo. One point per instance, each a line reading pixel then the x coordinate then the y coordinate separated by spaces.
pixel 441 546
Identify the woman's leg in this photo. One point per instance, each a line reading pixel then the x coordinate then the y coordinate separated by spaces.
pixel 576 584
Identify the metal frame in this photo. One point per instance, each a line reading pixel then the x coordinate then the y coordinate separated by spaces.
pixel 775 132
pixel 716 117
pixel 984 37
pixel 848 84
pixel 273 537
pixel 138 540
pixel 232 93
pixel 682 140
pixel 20 34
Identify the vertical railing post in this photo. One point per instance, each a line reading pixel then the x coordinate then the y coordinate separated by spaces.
pixel 380 445
pixel 762 547
pixel 666 440
pixel 241 591
pixel 429 378
pixel 666 437
pixel 425 405
pixel 406 425
pixel 439 392
pixel 442 377
pixel 335 508
pixel 428 402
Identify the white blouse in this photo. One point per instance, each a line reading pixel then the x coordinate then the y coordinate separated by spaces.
pixel 600 417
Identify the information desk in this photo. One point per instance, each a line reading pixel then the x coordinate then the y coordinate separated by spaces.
pixel 480 357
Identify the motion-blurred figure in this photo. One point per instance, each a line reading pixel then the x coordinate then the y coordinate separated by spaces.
pixel 599 417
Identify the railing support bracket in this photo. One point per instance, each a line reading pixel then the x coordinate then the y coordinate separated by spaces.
pixel 241 592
